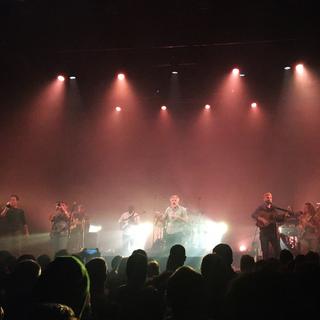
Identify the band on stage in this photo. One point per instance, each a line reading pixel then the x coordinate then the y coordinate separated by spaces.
pixel 278 227
pixel 68 227
pixel 298 231
pixel 171 225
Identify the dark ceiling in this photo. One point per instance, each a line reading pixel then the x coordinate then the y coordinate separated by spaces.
pixel 147 39
pixel 97 25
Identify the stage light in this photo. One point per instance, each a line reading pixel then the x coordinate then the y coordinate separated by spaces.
pixel 242 75
pixel 287 68
pixel 254 105
pixel 61 78
pixel 93 228
pixel 242 248
pixel 174 72
pixel 235 71
pixel 209 234
pixel 72 78
pixel 222 228
pixel 299 68
pixel 207 106
pixel 140 234
pixel 164 108
pixel 121 76
pixel 118 109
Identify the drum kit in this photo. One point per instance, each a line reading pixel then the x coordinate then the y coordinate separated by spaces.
pixel 289 235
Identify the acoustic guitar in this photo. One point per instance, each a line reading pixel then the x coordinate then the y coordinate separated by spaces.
pixel 265 218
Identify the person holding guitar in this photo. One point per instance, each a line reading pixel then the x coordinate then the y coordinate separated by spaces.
pixel 127 220
pixel 60 227
pixel 266 217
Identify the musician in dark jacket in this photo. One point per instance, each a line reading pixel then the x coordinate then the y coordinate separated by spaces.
pixel 266 216
pixel 16 227
pixel 60 227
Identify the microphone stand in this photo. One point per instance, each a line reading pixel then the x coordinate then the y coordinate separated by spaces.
pixel 82 232
pixel 254 246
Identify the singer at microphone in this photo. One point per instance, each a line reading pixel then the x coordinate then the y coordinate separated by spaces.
pixel 4 210
pixel 16 225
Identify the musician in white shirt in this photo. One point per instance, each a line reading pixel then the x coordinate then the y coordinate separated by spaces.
pixel 175 218
pixel 127 222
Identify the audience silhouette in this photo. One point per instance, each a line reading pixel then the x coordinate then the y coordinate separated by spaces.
pixel 137 287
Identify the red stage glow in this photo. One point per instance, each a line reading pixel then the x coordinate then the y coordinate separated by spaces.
pixel 235 71
pixel 121 76
pixel 61 78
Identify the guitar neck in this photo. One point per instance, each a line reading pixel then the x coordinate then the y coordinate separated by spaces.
pixel 282 209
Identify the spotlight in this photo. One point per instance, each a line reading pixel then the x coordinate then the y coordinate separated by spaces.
pixel 254 105
pixel 72 78
pixel 163 108
pixel 287 68
pixel 207 106
pixel 242 75
pixel 61 78
pixel 174 72
pixel 209 233
pixel 299 68
pixel 93 228
pixel 118 109
pixel 235 71
pixel 121 76
pixel 222 227
pixel 139 234
pixel 242 248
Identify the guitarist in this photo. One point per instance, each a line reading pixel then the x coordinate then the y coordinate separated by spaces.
pixel 127 220
pixel 60 227
pixel 266 217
